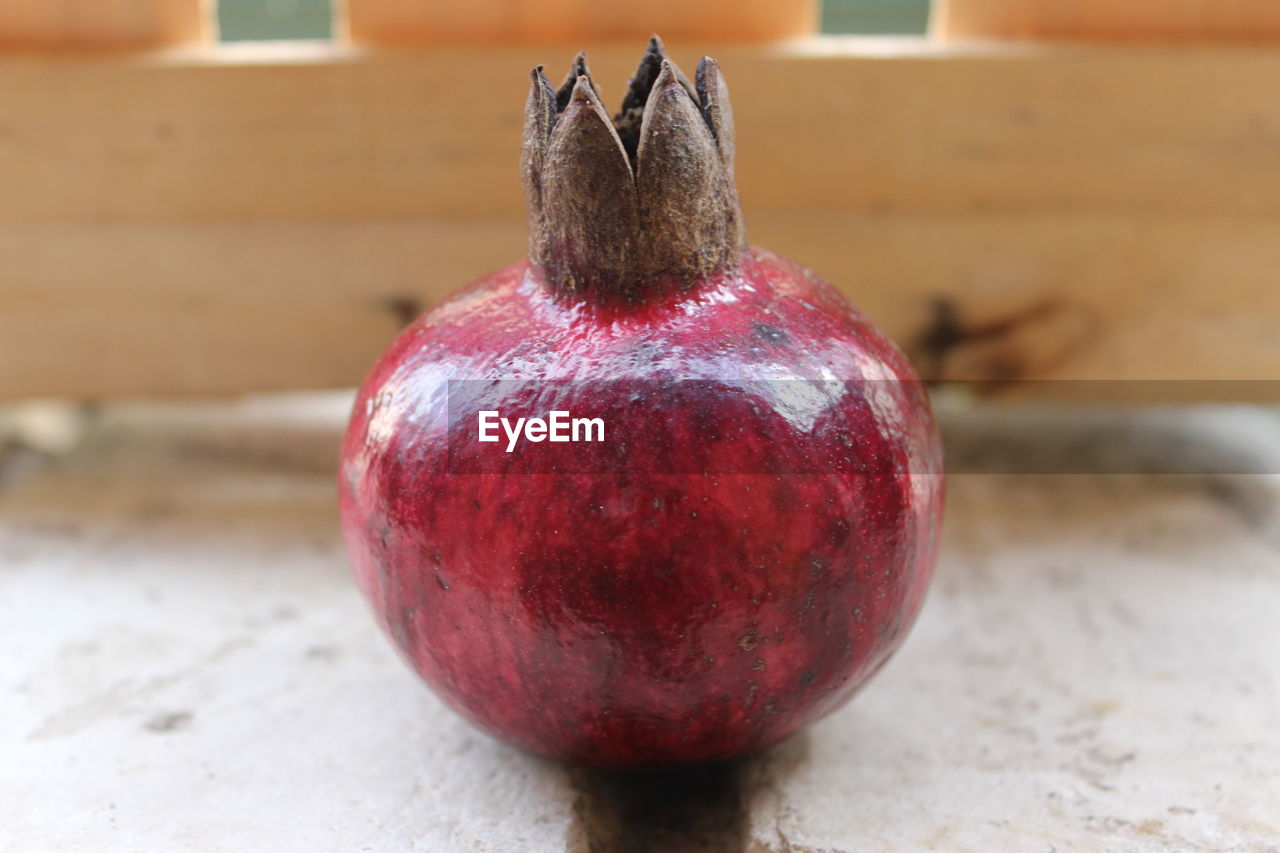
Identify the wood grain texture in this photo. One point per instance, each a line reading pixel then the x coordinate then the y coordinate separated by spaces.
pixel 181 309
pixel 317 135
pixel 239 222
pixel 1127 20
pixel 425 22
pixel 78 24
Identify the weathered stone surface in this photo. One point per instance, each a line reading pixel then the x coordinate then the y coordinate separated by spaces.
pixel 188 666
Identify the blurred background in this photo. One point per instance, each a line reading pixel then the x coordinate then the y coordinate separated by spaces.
pixel 215 215
pixel 250 195
pixel 240 20
pixel 218 198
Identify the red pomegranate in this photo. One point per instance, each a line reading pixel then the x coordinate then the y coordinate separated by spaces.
pixel 652 497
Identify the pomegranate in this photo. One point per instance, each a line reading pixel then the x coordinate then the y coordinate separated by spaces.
pixel 653 496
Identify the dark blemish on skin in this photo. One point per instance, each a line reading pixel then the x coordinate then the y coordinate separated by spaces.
pixel 443 584
pixel 809 677
pixel 384 572
pixel 697 808
pixel 400 627
pixel 170 721
pixel 405 309
pixel 772 334
pixel 746 642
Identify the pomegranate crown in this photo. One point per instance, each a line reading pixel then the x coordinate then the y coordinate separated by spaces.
pixel 645 200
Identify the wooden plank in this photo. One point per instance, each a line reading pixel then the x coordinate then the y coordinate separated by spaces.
pixel 828 125
pixel 181 308
pixel 239 220
pixel 1131 20
pixel 77 24
pixel 418 22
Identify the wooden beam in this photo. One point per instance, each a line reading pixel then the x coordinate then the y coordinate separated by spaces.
pixel 830 125
pixel 558 21
pixel 1129 20
pixel 80 24
pixel 96 309
pixel 240 220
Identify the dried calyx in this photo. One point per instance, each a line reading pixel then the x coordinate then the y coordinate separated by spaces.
pixel 628 206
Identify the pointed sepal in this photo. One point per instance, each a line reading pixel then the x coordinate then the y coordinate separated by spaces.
pixel 588 199
pixel 688 203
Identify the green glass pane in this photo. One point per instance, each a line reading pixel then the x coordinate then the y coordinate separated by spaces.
pixel 257 20
pixel 875 17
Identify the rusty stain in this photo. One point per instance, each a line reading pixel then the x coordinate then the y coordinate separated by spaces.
pixel 405 309
pixel 995 350
pixel 935 342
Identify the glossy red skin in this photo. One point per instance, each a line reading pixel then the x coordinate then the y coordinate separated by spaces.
pixel 636 619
